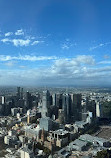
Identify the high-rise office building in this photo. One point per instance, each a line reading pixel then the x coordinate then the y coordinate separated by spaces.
pixel 61 116
pixel 18 100
pixel 54 99
pixel 45 103
pixel 28 102
pixel 66 102
pixel 76 108
pixel 18 93
pixel 59 100
pixel 3 99
pixel 98 109
pixel 92 107
pixel 21 94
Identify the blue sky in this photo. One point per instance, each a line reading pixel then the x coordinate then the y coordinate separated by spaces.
pixel 55 42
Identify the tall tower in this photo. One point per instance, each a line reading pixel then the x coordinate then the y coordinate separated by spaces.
pixel 54 99
pixel 3 99
pixel 28 100
pixel 45 103
pixel 28 117
pixel 98 109
pixel 61 116
pixel 18 93
pixel 76 108
pixel 21 95
pixel 19 102
pixel 66 106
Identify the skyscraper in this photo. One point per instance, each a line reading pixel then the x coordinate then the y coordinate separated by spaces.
pixel 3 99
pixel 98 109
pixel 21 94
pixel 45 103
pixel 18 100
pixel 28 103
pixel 54 99
pixel 18 93
pixel 76 108
pixel 66 105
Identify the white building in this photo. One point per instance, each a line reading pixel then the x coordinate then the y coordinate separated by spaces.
pixel 98 109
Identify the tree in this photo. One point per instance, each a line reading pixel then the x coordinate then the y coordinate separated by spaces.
pixel 104 154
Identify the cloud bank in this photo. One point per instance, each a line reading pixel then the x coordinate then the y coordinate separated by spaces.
pixel 80 70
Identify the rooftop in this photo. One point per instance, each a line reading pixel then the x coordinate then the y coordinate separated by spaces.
pixel 78 142
pixel 92 138
pixel 60 132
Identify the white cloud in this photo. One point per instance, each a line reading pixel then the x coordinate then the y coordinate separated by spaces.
pixel 81 59
pixel 37 42
pixel 36 58
pixel 68 44
pixel 8 34
pixel 17 42
pixel 75 75
pixel 72 66
pixel 65 46
pixel 5 58
pixel 105 62
pixel 81 70
pixel 26 58
pixel 86 59
pixel 20 42
pixel 19 32
pixel 95 47
pixel 27 40
pixel 5 40
pixel 99 45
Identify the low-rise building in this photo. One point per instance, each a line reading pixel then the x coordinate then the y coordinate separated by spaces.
pixel 60 136
pixel 63 153
pixel 95 140
pixel 78 145
pixel 32 131
pixel 12 141
pixel 14 111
